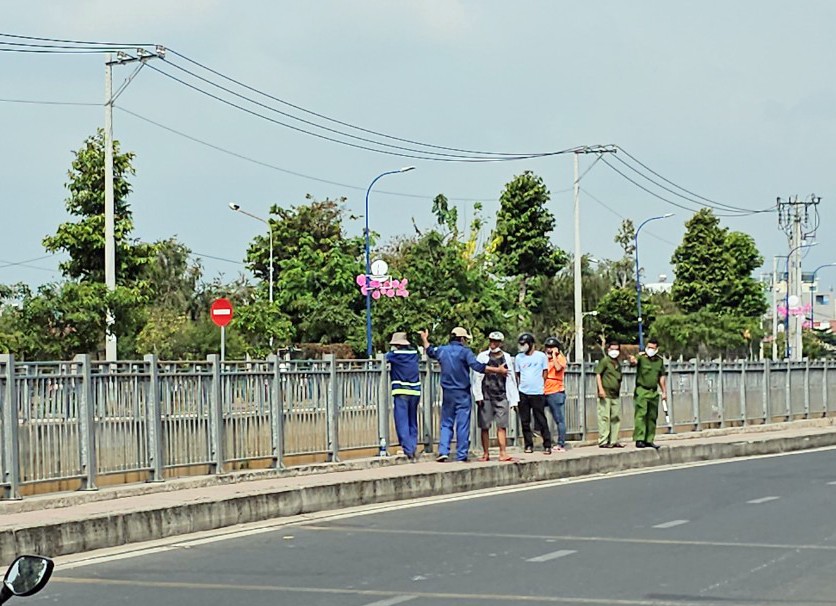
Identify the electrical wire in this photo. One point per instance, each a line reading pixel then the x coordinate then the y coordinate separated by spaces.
pixel 43 102
pixel 64 41
pixel 199 255
pixel 347 143
pixel 27 262
pixel 668 200
pixel 319 126
pixel 618 214
pixel 334 120
pixel 284 170
pixel 687 191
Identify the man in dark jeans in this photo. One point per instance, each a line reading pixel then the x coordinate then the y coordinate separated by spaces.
pixel 532 366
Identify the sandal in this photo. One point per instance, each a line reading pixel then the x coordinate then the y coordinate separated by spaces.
pixel 484 457
pixel 508 459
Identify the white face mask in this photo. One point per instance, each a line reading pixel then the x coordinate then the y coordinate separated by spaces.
pixel 614 353
pixel 650 351
pixel 495 349
pixel 524 347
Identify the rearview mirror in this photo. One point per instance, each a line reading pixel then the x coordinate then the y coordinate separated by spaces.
pixel 28 575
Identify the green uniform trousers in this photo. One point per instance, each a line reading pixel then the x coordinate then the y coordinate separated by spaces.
pixel 646 402
pixel 609 420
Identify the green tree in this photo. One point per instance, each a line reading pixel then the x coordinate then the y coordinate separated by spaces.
pixel 617 314
pixel 524 225
pixel 315 269
pixel 714 268
pixel 84 239
pixel 623 270
pixel 707 334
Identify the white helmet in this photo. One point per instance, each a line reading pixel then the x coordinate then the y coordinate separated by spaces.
pixel 496 336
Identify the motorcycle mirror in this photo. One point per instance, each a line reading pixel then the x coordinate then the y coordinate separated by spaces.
pixel 28 575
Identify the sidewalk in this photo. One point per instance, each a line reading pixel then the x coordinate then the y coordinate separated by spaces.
pixel 71 523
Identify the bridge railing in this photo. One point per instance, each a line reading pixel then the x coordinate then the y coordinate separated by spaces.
pixel 85 423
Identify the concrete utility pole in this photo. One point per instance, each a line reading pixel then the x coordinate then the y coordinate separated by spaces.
pixel 774 308
pixel 596 149
pixel 799 219
pixel 110 210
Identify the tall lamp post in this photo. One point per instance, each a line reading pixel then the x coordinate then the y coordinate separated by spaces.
pixel 787 351
pixel 813 293
pixel 638 276
pixel 237 208
pixel 405 169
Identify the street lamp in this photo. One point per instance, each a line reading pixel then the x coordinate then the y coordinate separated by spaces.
pixel 237 208
pixel 812 293
pixel 638 277
pixel 405 169
pixel 787 297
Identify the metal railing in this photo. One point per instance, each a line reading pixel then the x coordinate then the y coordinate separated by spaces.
pixel 70 423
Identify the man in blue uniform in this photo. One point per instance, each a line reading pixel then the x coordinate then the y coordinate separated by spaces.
pixel 456 362
pixel 406 391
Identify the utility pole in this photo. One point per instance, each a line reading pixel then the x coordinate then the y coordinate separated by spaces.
pixel 774 308
pixel 799 218
pixel 578 282
pixel 110 210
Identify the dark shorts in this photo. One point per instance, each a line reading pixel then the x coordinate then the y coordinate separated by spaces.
pixel 493 411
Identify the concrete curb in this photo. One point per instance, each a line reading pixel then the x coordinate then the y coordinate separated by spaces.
pixel 112 530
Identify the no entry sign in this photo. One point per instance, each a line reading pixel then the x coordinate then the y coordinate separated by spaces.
pixel 221 312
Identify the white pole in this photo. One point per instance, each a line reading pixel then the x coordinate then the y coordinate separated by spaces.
pixel 797 352
pixel 109 210
pixel 223 343
pixel 774 308
pixel 577 271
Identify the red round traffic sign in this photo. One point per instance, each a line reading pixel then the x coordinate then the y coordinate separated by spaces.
pixel 221 312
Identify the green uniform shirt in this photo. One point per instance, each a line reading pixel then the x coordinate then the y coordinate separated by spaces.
pixel 648 371
pixel 610 371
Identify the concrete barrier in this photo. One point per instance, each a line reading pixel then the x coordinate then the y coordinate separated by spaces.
pixel 247 504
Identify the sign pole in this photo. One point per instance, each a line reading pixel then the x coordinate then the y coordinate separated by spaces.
pixel 221 314
pixel 223 343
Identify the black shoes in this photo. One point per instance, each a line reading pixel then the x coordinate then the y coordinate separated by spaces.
pixel 528 450
pixel 604 446
pixel 641 444
pixel 652 445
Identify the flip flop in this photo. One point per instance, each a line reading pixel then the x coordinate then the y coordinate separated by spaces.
pixel 508 460
pixel 484 458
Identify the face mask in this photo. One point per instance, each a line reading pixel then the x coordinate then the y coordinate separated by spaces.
pixel 524 347
pixel 650 351
pixel 614 353
pixel 495 349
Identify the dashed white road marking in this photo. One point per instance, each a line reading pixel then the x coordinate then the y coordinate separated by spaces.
pixel 552 556
pixel 762 500
pixel 398 599
pixel 671 524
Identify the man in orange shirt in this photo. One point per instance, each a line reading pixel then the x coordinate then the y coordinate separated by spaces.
pixel 555 389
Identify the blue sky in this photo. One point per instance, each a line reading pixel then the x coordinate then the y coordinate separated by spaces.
pixel 733 100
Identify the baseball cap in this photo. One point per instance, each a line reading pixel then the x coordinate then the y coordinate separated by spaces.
pixel 460 332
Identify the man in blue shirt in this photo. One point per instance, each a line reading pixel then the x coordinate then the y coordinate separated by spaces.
pixel 532 368
pixel 456 362
pixel 406 391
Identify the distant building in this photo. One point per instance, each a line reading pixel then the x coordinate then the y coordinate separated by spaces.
pixel 824 302
pixel 658 287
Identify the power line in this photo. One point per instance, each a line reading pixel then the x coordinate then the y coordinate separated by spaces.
pixel 284 170
pixel 64 41
pixel 349 143
pixel 197 254
pixel 687 191
pixel 618 214
pixel 721 207
pixel 664 199
pixel 42 102
pixel 27 262
pixel 334 120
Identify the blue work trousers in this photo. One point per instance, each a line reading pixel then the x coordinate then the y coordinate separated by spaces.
pixel 557 404
pixel 406 422
pixel 456 405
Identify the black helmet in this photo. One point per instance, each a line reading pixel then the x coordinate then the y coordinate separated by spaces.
pixel 552 342
pixel 526 338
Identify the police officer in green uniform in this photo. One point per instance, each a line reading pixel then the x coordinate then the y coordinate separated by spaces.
pixel 608 379
pixel 650 379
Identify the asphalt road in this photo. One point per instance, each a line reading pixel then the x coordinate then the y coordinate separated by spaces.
pixel 750 532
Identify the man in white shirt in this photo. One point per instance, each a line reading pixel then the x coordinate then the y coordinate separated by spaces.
pixel 495 395
pixel 532 367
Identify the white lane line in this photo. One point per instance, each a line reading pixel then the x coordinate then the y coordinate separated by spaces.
pixel 398 599
pixel 552 556
pixel 831 483
pixel 762 500
pixel 671 524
